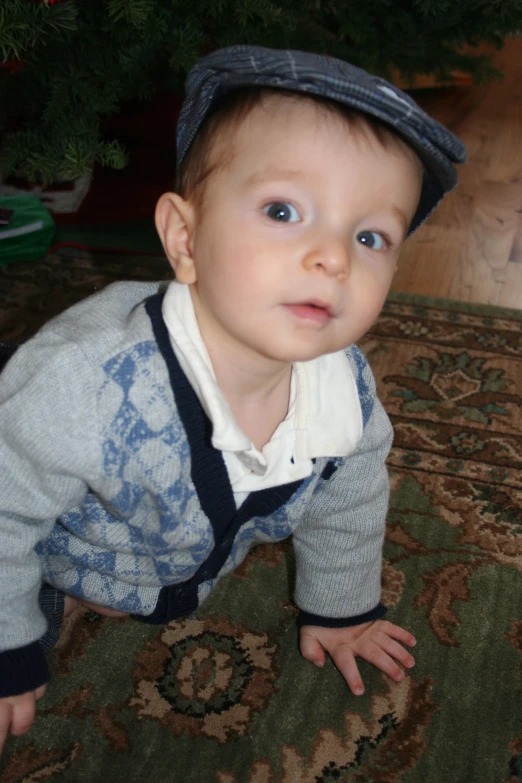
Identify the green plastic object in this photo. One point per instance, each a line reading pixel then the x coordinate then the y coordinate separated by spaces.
pixel 30 231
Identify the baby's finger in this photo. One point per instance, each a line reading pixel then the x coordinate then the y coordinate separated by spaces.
pixel 23 716
pixel 5 722
pixel 397 652
pixel 398 633
pixel 311 648
pixel 344 659
pixel 378 657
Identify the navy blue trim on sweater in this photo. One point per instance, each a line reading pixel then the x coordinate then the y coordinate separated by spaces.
pixel 306 618
pixel 23 669
pixel 208 470
pixel 328 471
pixel 210 477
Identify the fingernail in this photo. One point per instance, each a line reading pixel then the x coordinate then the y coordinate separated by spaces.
pixel 358 691
pixel 320 664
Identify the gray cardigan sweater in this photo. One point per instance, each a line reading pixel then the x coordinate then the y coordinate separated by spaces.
pixel 111 491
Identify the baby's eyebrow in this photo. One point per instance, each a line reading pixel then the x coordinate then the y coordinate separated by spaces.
pixel 268 175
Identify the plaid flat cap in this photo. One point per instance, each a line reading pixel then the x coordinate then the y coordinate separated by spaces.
pixel 242 66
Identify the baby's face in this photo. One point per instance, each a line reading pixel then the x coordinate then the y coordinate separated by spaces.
pixel 298 238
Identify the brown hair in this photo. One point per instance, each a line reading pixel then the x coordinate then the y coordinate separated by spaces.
pixel 198 165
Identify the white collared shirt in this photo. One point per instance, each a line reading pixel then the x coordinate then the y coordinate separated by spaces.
pixel 324 416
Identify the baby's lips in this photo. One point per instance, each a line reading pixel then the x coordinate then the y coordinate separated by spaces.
pixel 310 311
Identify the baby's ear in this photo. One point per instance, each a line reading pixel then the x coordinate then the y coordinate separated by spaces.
pixel 175 219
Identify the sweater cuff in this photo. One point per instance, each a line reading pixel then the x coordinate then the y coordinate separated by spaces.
pixel 306 618
pixel 22 669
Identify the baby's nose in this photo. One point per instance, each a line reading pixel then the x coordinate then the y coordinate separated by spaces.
pixel 330 256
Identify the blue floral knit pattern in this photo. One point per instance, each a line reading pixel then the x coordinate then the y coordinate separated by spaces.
pixel 152 510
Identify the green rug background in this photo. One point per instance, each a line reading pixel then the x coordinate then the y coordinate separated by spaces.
pixel 225 696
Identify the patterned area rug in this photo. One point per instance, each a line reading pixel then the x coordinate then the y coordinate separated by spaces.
pixel 224 696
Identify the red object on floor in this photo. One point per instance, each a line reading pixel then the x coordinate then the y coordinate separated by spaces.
pixel 148 131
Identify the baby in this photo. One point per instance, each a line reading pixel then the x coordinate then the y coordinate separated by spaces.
pixel 151 435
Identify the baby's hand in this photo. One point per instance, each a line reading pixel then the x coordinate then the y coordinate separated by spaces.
pixel 17 713
pixel 376 642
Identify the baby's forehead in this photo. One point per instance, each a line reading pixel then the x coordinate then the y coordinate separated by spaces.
pixel 266 103
pixel 296 112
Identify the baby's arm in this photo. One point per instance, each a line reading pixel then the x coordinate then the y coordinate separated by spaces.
pixel 338 548
pixel 45 452
pixel 17 713
pixel 377 642
pixel 338 543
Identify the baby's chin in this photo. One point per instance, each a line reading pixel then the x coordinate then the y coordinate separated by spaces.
pixel 300 346
pixel 304 355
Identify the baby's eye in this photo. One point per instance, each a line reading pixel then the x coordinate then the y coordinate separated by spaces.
pixel 283 213
pixel 372 239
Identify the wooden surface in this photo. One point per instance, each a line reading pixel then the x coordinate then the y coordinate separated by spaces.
pixel 471 248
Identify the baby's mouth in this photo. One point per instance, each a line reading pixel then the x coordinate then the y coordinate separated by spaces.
pixel 314 310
